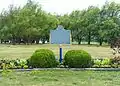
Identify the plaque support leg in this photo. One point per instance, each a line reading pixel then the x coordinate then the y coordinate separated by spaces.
pixel 60 50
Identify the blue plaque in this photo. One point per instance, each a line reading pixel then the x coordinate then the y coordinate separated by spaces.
pixel 60 36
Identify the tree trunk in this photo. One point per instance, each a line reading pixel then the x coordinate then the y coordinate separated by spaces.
pixel 100 41
pixel 25 41
pixel 19 40
pixel 5 41
pixel 28 41
pixel 13 41
pixel 37 41
pixel 72 39
pixel 1 41
pixel 89 38
pixel 43 42
pixel 79 41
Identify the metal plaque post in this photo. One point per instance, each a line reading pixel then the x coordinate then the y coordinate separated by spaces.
pixel 60 50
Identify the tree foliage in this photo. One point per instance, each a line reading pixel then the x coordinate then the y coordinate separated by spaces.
pixel 30 23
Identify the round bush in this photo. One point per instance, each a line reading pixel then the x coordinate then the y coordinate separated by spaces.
pixel 77 59
pixel 43 58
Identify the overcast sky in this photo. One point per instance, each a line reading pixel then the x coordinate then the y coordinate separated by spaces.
pixel 57 6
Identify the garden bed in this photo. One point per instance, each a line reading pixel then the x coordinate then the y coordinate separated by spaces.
pixel 44 59
pixel 22 64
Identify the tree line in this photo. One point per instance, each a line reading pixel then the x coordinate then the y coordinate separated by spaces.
pixel 29 24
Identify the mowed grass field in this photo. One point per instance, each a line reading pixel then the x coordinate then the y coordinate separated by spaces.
pixel 60 78
pixel 56 77
pixel 25 51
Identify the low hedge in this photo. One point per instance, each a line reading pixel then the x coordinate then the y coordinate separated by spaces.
pixel 77 59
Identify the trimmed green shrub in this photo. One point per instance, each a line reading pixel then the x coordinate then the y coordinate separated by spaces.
pixel 77 59
pixel 43 58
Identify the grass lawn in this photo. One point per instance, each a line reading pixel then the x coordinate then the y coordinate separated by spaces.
pixel 25 51
pixel 60 78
